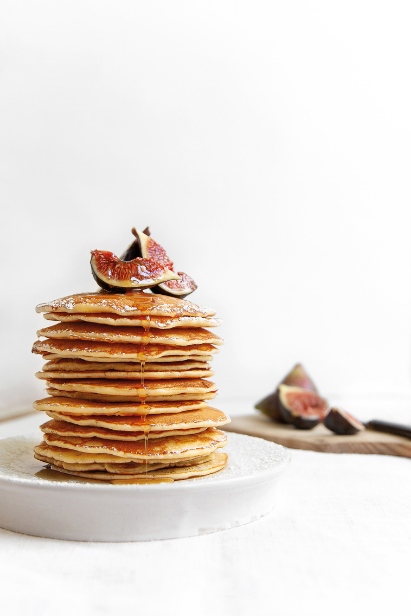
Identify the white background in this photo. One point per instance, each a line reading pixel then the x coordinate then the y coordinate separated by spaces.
pixel 267 145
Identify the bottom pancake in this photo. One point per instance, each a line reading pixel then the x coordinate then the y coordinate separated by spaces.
pixel 125 468
pixel 177 473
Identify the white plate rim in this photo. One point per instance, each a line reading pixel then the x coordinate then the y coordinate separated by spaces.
pixel 187 484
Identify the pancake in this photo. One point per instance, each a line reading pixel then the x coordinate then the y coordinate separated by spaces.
pixel 139 321
pixel 79 364
pixel 204 418
pixel 134 388
pixel 55 455
pixel 73 407
pixel 101 398
pixel 115 374
pixel 217 463
pixel 170 447
pixel 64 428
pixel 128 399
pixel 133 335
pixel 111 360
pixel 116 468
pixel 126 468
pixel 85 348
pixel 186 374
pixel 129 304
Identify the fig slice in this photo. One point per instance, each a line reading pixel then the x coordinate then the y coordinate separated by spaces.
pixel 177 288
pixel 144 246
pixel 301 407
pixel 341 422
pixel 114 274
pixel 297 377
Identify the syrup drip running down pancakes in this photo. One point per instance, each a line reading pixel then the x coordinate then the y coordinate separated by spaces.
pixel 127 383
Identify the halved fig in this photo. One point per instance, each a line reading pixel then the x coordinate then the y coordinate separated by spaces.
pixel 144 246
pixel 341 422
pixel 297 377
pixel 113 274
pixel 301 407
pixel 270 407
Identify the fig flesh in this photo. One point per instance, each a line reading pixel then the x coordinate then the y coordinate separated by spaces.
pixel 144 246
pixel 341 422
pixel 300 407
pixel 177 288
pixel 297 377
pixel 114 274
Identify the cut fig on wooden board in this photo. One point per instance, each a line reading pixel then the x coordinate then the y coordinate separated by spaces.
pixel 297 377
pixel 341 422
pixel 300 407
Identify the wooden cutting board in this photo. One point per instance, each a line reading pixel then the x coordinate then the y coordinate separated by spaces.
pixel 321 439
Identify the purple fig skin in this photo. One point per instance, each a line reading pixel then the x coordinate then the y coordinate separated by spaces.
pixel 341 422
pixel 297 377
pixel 270 407
pixel 303 418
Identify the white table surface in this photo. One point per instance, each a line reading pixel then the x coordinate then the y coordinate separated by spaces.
pixel 338 543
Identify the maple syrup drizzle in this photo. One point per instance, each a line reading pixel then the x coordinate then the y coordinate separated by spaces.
pixel 143 413
pixel 146 327
pixel 146 430
pixel 143 410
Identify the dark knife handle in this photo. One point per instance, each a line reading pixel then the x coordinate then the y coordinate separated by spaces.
pixel 391 428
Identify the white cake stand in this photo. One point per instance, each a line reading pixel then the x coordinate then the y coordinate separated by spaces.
pixel 45 503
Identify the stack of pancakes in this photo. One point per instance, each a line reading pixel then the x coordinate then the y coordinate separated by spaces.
pixel 128 399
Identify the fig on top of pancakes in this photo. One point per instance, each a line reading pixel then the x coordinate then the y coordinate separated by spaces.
pixel 127 384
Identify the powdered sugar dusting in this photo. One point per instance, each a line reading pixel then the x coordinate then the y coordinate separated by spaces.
pixel 248 457
pixel 139 303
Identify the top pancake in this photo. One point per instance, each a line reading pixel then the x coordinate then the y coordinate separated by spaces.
pixel 134 303
pixel 105 318
pixel 135 335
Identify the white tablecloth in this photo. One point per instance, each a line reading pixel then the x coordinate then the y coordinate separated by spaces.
pixel 338 543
